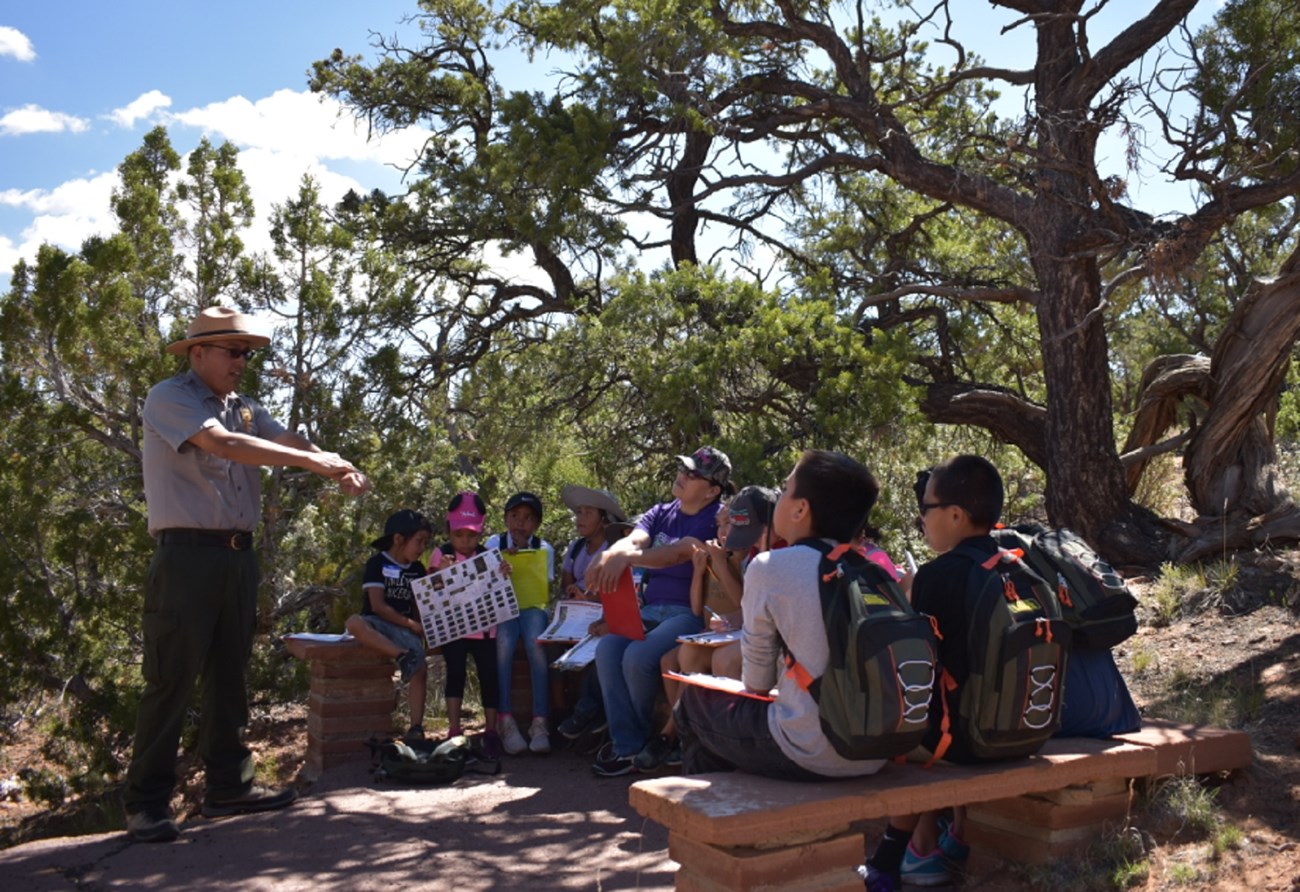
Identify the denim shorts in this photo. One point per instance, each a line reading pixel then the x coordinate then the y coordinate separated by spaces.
pixel 402 637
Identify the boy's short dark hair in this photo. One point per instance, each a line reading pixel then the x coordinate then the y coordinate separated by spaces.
pixel 840 492
pixel 973 484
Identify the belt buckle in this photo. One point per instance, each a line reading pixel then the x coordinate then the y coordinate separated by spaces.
pixel 236 541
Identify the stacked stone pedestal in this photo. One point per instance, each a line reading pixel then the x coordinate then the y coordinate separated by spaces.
pixel 352 699
pixel 1042 827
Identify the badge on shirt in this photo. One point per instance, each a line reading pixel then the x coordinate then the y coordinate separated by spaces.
pixel 247 414
pixel 391 572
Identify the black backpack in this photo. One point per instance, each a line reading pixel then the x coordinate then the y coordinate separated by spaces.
pixel 1018 645
pixel 1096 603
pixel 874 697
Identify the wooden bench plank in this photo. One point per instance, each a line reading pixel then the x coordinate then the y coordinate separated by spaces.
pixel 744 810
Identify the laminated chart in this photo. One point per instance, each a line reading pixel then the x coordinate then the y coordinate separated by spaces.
pixel 467 597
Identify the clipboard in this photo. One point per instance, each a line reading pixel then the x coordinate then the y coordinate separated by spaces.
pixel 732 686
pixel 622 612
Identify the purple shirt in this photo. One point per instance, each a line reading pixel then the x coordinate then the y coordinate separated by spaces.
pixel 665 524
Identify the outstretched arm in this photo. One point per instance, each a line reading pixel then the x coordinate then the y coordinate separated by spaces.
pixel 287 450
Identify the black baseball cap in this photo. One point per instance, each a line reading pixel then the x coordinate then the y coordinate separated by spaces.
pixel 751 511
pixel 405 522
pixel 527 500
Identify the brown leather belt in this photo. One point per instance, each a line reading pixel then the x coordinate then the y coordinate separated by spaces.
pixel 238 540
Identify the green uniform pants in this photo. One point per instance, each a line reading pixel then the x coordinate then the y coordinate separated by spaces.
pixel 200 607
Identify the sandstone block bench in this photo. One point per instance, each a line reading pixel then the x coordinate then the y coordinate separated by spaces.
pixel 738 831
pixel 352 698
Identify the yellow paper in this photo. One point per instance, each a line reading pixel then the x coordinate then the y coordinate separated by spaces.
pixel 528 576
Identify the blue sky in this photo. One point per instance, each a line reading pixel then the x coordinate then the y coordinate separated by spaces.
pixel 82 82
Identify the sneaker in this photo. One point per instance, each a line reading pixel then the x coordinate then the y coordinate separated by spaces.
pixel 925 870
pixel 415 734
pixel 152 825
pixel 654 753
pixel 539 735
pixel 511 739
pixel 875 881
pixel 955 852
pixel 575 726
pixel 408 664
pixel 610 764
pixel 492 745
pixel 674 757
pixel 257 799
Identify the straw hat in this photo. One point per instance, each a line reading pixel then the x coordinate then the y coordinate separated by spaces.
pixel 216 324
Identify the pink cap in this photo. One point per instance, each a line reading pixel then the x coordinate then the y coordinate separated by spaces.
pixel 466 512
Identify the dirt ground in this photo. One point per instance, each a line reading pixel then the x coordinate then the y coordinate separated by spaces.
pixel 1238 663
pixel 1234 660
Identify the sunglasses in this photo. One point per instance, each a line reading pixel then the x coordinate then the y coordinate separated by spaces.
pixel 233 352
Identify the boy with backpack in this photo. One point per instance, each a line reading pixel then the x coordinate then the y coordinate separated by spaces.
pixel 990 611
pixel 824 504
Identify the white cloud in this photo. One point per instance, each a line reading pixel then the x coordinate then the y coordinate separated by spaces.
pixel 15 43
pixel 9 255
pixel 273 177
pixel 64 216
pixel 301 122
pixel 141 108
pixel 34 119
pixel 280 138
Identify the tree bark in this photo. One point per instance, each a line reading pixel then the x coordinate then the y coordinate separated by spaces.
pixel 1231 463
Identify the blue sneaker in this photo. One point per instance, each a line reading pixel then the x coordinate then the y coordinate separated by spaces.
pixel 955 852
pixel 925 870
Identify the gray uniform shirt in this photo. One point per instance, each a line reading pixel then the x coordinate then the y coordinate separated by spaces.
pixel 782 603
pixel 186 487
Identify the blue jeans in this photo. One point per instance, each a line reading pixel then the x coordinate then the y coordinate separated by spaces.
pixel 630 677
pixel 530 623
pixel 403 638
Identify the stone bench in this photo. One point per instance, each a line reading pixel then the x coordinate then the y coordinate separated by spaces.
pixel 738 831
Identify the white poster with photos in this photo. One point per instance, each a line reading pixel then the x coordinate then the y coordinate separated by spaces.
pixel 469 596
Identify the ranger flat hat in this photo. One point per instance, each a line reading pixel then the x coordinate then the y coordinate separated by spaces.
pixel 217 324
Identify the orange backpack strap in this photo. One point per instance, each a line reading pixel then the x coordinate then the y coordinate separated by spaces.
pixel 795 671
pixel 1043 629
pixel 946 684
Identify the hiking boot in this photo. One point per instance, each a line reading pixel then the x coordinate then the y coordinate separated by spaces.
pixel 258 798
pixel 925 870
pixel 152 825
pixel 654 753
pixel 409 663
pixel 874 880
pixel 610 764
pixel 539 735
pixel 511 739
pixel 492 745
